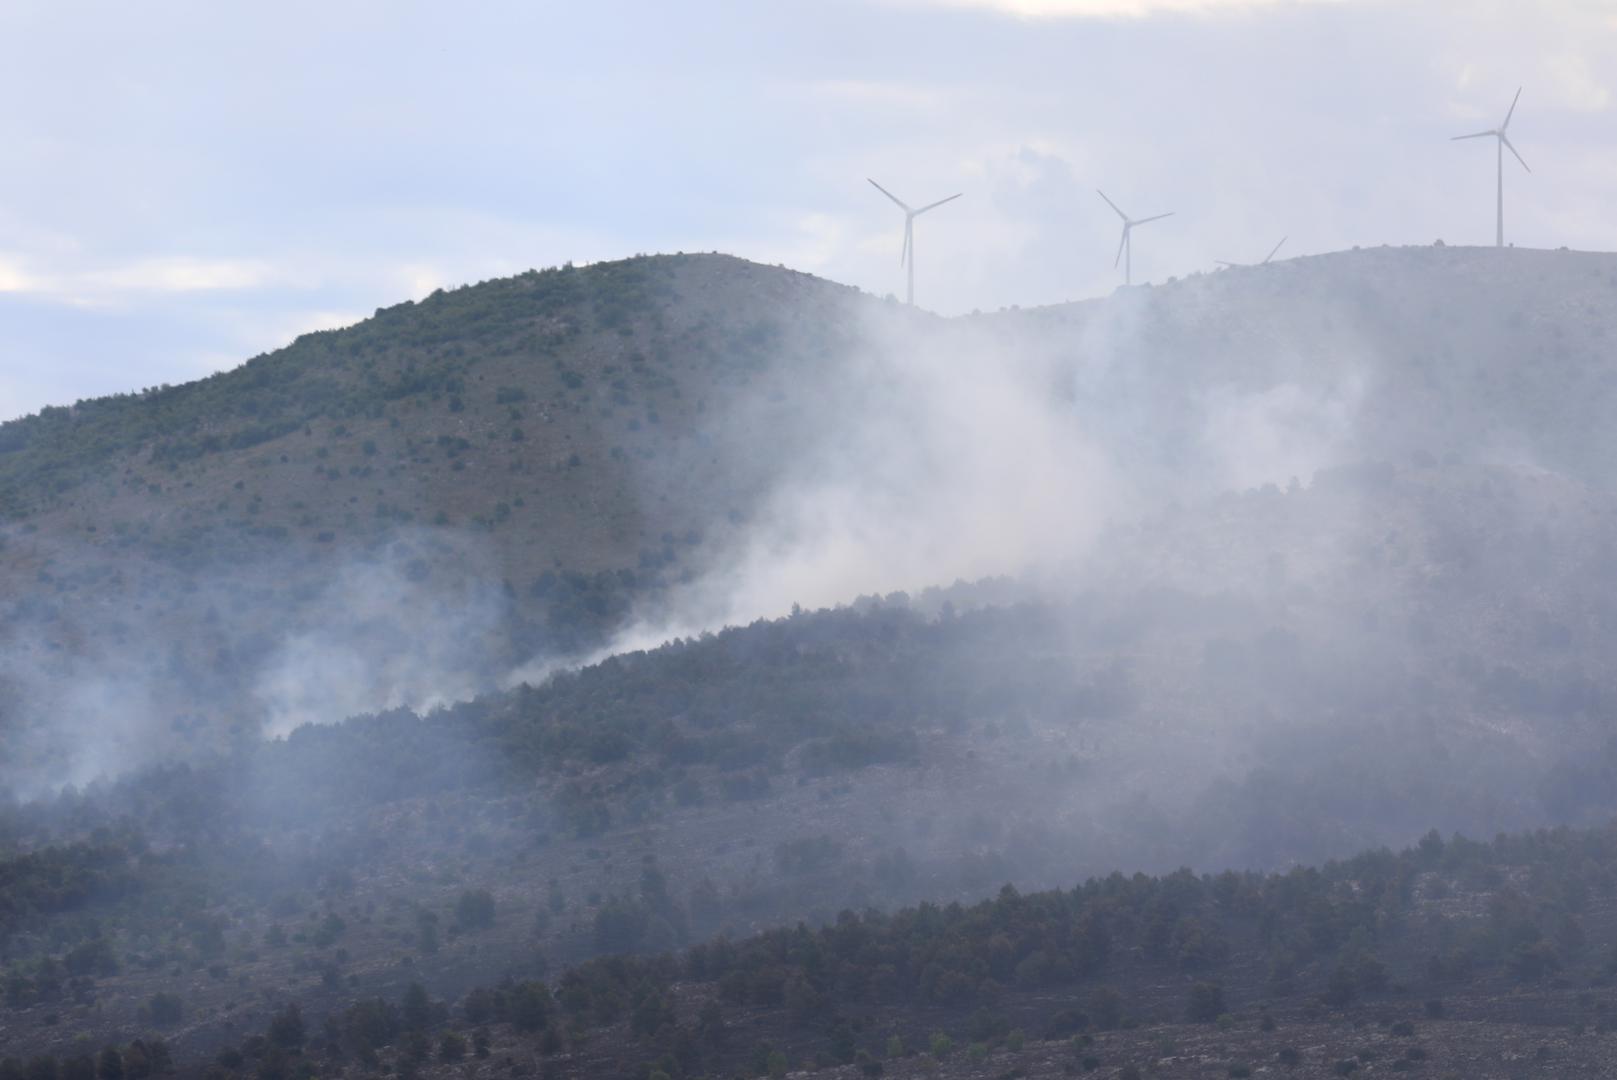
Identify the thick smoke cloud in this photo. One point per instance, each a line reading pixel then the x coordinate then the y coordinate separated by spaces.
pixel 995 446
pixel 409 629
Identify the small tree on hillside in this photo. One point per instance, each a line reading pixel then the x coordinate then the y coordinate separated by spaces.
pixel 1206 1002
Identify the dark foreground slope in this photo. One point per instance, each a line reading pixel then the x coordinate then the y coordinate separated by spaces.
pixel 925 748
pixel 1452 958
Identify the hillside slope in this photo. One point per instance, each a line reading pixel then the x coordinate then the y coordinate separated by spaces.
pixel 1199 663
pixel 407 511
pixel 413 506
pixel 1401 354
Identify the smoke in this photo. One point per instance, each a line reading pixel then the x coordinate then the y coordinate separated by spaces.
pixel 938 452
pixel 406 628
pixel 1157 649
pixel 71 720
pixel 195 661
pixel 934 461
pixel 1091 449
pixel 1281 433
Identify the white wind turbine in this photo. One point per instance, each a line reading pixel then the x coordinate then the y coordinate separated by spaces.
pixel 907 256
pixel 1504 141
pixel 1125 247
pixel 1265 261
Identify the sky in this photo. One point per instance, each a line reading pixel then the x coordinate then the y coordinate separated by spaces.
pixel 186 185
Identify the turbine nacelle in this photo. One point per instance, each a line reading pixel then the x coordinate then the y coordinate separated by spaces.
pixel 1503 144
pixel 906 256
pixel 1124 245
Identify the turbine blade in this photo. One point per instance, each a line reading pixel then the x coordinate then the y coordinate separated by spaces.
pixel 909 239
pixel 1157 217
pixel 890 195
pixel 1271 254
pixel 1120 244
pixel 1113 205
pixel 940 202
pixel 1512 111
pixel 1221 262
pixel 1478 135
pixel 1512 149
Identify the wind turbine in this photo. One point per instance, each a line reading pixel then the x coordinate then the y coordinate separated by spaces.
pixel 907 256
pixel 1504 141
pixel 1265 261
pixel 1125 247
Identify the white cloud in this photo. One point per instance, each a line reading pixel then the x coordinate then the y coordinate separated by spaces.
pixel 178 273
pixel 1576 85
pixel 97 286
pixel 882 94
pixel 325 320
pixel 809 242
pixel 1113 9
pixel 13 278
pixel 419 280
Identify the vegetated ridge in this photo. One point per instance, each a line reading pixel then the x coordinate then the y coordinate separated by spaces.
pixel 1242 673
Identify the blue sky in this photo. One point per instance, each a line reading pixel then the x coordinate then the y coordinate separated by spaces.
pixel 185 185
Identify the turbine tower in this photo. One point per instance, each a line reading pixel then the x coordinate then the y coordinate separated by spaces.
pixel 907 256
pixel 1265 261
pixel 1125 247
pixel 1504 141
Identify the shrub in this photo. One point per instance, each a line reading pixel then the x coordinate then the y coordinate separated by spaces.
pixel 475 910
pixel 1206 1003
pixel 286 1027
pixel 163 1010
pixel 1106 1008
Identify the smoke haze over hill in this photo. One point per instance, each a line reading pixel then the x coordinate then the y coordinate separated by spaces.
pixel 692 665
pixel 687 596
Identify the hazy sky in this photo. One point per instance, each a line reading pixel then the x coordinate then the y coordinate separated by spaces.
pixel 184 185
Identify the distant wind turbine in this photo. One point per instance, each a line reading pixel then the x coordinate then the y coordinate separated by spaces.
pixel 1265 261
pixel 1125 247
pixel 1504 141
pixel 907 256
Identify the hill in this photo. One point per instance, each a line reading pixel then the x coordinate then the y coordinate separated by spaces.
pixel 1409 355
pixel 410 510
pixel 401 511
pixel 1198 661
